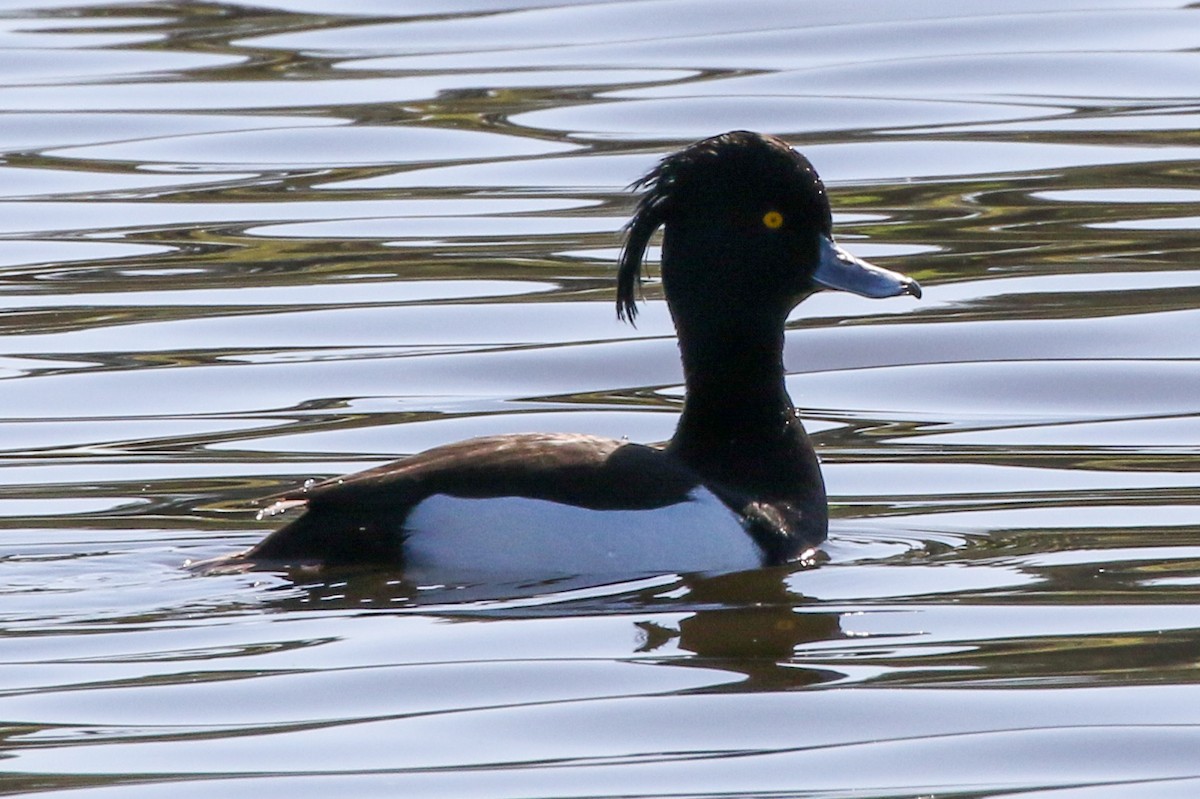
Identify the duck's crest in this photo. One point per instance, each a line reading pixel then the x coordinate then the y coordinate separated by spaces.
pixel 651 213
pixel 646 219
pixel 728 159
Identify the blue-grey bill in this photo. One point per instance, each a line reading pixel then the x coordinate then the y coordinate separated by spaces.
pixel 838 269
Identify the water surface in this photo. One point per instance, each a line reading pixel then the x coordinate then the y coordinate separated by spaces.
pixel 246 246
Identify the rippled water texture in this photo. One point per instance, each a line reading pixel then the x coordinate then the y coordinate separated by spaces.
pixel 244 246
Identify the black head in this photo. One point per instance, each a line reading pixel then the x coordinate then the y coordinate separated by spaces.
pixel 746 223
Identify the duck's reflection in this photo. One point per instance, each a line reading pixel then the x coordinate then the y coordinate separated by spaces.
pixel 750 622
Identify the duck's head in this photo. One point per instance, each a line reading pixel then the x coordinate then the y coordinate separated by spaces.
pixel 746 230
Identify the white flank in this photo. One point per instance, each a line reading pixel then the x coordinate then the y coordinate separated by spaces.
pixel 451 537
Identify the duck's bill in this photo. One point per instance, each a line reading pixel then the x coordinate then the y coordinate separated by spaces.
pixel 838 269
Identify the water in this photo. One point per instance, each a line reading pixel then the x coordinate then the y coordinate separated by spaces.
pixel 244 246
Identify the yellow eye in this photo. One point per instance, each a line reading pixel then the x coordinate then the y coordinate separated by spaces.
pixel 773 220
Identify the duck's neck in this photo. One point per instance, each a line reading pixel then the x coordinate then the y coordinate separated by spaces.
pixel 739 427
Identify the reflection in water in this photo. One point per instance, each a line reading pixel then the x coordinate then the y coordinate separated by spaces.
pixel 747 623
pixel 753 627
pixel 244 247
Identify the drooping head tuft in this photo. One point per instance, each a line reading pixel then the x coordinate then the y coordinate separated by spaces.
pixel 732 171
pixel 647 218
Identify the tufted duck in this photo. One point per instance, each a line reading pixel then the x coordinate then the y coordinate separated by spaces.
pixel 746 236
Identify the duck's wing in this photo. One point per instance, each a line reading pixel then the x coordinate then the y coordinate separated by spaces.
pixel 357 518
pixel 589 471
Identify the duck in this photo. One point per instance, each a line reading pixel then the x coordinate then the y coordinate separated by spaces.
pixel 747 235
